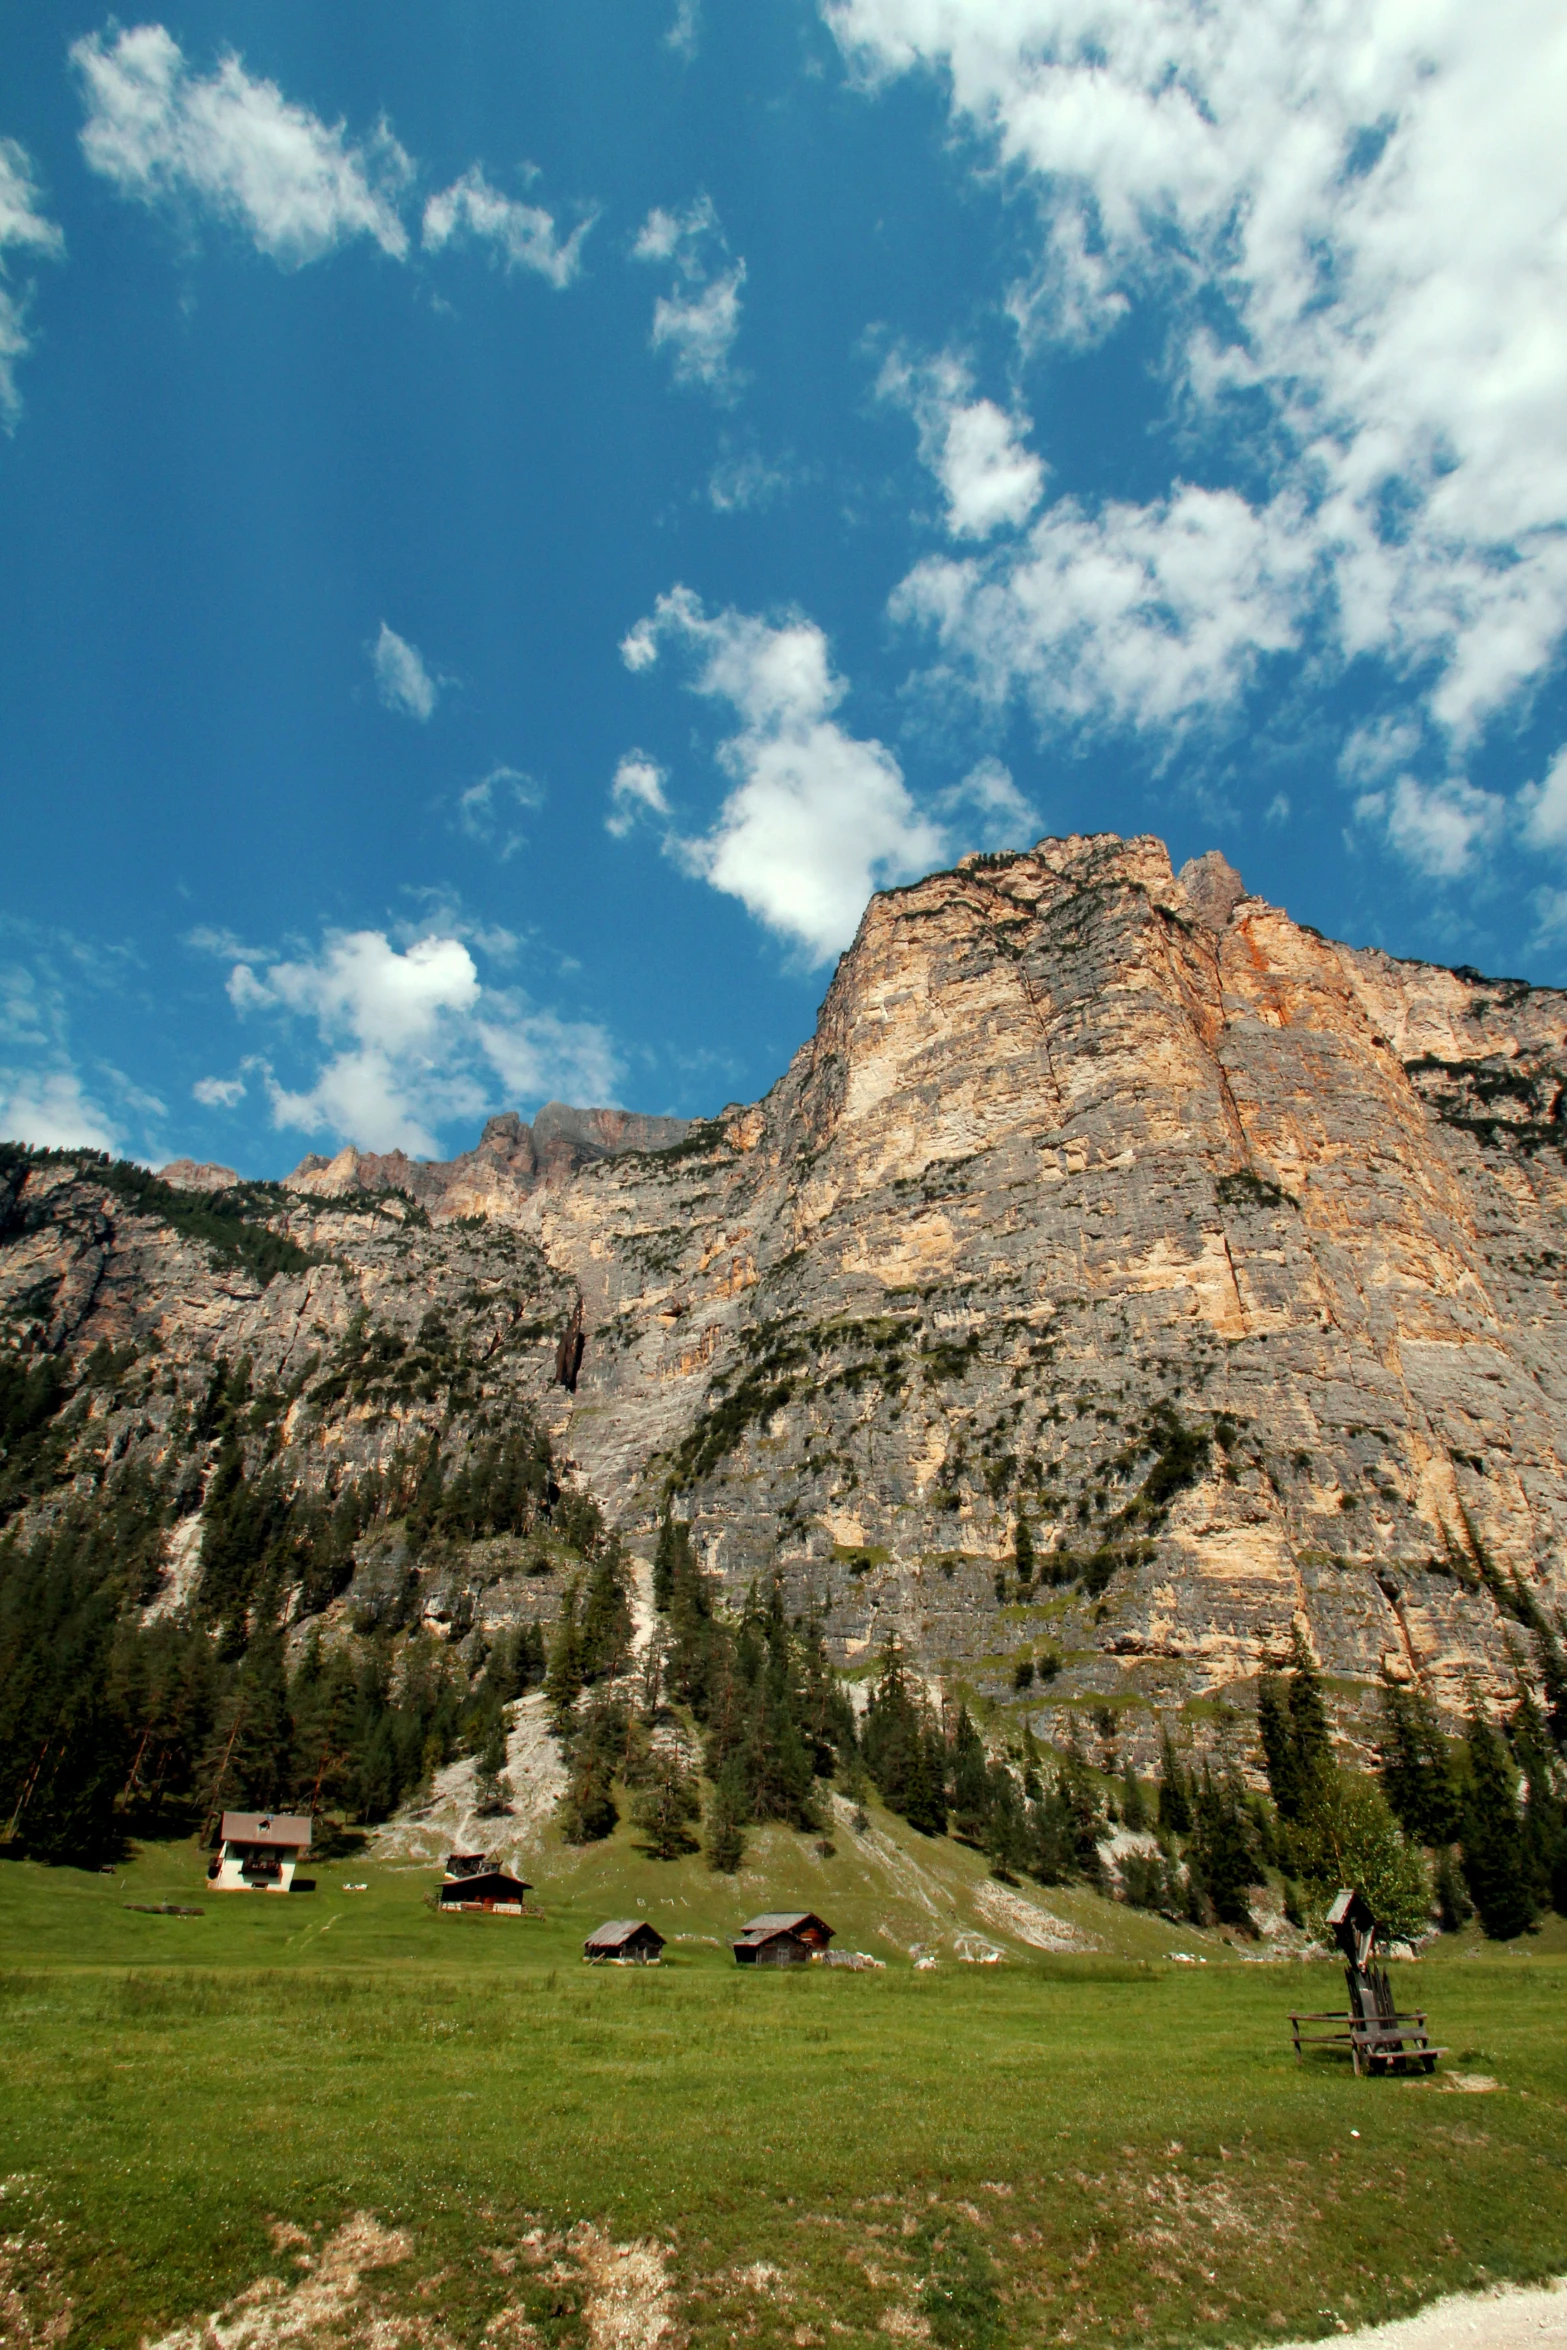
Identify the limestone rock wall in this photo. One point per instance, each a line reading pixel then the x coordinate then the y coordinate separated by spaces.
pixel 1227 1257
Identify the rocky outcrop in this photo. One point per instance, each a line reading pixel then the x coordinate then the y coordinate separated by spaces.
pixel 511 1162
pixel 1106 1203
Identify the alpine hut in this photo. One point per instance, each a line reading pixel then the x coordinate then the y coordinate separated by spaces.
pixel 624 1942
pixel 472 1881
pixel 258 1851
pixel 784 1937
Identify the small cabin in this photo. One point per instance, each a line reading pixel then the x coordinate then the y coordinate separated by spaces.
pixel 472 1881
pixel 624 1942
pixel 785 1937
pixel 258 1851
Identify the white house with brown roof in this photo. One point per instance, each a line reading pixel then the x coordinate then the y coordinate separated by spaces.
pixel 258 1851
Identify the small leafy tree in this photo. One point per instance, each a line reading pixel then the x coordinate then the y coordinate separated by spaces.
pixel 1350 1837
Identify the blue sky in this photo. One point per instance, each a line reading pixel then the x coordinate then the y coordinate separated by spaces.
pixel 515 519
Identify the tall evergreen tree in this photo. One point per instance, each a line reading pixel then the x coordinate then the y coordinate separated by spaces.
pixel 1495 1854
pixel 1175 1800
pixel 1417 1770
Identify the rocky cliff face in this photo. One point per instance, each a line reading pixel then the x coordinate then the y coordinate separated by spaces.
pixel 1226 1260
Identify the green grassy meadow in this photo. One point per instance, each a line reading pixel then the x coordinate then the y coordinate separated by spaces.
pixel 1089 2150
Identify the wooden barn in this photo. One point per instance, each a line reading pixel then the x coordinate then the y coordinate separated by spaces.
pixel 784 1937
pixel 258 1851
pixel 624 1942
pixel 473 1882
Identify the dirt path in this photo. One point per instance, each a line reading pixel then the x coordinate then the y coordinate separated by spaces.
pixel 1511 2318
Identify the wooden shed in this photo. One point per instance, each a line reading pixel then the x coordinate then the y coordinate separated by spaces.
pixel 783 1937
pixel 473 1882
pixel 258 1851
pixel 624 1942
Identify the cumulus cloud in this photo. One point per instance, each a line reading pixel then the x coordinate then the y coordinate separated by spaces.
pixel 817 818
pixel 1436 827
pixel 218 1093
pixel 525 235
pixel 697 323
pixel 236 147
pixel 974 449
pixel 50 1110
pixel 401 678
pixel 1139 617
pixel 636 792
pixel 25 228
pixel 1375 199
pixel 413 1040
pixel 488 810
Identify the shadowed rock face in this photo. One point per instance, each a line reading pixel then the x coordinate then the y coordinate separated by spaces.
pixel 1229 1258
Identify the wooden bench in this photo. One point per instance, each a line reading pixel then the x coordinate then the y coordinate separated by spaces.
pixel 1385 2043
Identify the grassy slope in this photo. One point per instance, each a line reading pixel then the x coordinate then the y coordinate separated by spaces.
pixel 1128 2144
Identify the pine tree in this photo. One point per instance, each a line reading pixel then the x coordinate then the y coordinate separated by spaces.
pixel 1292 1724
pixel 491 1786
pixel 673 1559
pixel 969 1781
pixel 1416 1767
pixel 1223 1849
pixel 666 1806
pixel 725 1820
pixel 564 1676
pixel 1495 1855
pixel 1023 1552
pixel 1175 1802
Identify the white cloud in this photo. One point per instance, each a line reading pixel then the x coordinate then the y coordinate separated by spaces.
pixel 524 233
pixel 297 186
pixel 637 791
pixel 23 227
pixel 998 816
pixel 487 810
pixel 1544 806
pixel 402 680
pixel 413 1040
pixel 973 448
pixel 817 819
pixel 218 1093
pixel 1139 617
pixel 1436 827
pixel 1377 197
pixel 684 26
pixel 744 482
pixel 49 1109
pixel 698 322
pixel 1375 749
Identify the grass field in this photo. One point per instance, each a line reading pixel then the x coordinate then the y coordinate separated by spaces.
pixel 1097 2149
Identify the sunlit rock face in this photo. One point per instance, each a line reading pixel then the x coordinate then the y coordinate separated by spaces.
pixel 1227 1258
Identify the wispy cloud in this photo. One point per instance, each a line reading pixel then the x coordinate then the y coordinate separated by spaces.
pixel 233 145
pixel 697 323
pixel 25 228
pixel 401 678
pixel 525 236
pixel 487 811
pixel 636 793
